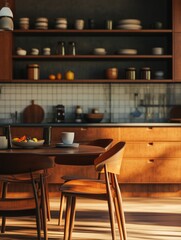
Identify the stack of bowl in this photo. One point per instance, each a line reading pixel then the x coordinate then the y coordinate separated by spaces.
pixel 41 23
pixel 24 23
pixel 130 24
pixel 99 51
pixel 61 23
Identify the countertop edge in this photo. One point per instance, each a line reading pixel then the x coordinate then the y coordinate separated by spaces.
pixel 91 124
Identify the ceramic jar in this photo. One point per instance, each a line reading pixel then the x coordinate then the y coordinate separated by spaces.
pixel 112 73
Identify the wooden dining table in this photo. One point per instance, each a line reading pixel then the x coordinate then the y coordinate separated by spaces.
pixel 81 155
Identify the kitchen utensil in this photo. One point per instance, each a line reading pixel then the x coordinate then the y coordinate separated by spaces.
pixel 136 112
pixel 33 113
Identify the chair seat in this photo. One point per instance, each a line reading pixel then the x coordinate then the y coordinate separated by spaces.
pixel 17 204
pixel 83 187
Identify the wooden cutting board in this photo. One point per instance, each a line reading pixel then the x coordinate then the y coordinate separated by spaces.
pixel 33 113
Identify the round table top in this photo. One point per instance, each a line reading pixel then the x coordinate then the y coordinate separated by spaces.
pixel 81 155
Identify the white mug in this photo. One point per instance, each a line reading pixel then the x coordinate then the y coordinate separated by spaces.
pixel 3 142
pixel 68 137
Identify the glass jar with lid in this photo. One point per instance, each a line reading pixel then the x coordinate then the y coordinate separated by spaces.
pixel 146 73
pixel 131 73
pixel 33 71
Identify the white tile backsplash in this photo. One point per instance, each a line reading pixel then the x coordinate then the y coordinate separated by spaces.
pixel 15 97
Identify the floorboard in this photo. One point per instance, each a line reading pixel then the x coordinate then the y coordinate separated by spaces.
pixel 146 219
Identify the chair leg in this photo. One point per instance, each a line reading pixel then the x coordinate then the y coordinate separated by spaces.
pixel 44 208
pixel 119 222
pixel 4 192
pixel 62 201
pixel 72 217
pixel 120 207
pixel 47 199
pixel 110 207
pixel 67 217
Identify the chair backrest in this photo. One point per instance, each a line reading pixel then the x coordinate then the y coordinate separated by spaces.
pixel 23 163
pixel 104 143
pixel 112 158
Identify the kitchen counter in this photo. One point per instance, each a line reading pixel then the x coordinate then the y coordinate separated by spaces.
pixel 92 124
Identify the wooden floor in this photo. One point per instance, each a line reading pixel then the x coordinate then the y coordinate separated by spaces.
pixel 146 219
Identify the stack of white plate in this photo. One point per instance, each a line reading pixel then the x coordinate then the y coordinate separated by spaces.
pixel 127 51
pixel 130 24
pixel 100 51
pixel 41 23
pixel 61 23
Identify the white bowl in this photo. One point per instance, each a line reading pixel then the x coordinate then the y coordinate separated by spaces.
pixel 130 26
pixel 21 52
pixel 99 51
pixel 129 21
pixel 127 51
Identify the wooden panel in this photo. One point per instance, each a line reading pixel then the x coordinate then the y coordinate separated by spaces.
pixel 86 133
pixel 177 15
pixel 150 170
pixel 153 149
pixel 177 56
pixel 6 52
pixel 150 133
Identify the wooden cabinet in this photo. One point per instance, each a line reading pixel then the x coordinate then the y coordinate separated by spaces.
pixel 93 67
pixel 152 156
pixel 5 53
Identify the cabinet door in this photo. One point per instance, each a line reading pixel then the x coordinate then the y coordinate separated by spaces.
pixel 6 56
pixel 136 170
pixel 177 57
pixel 150 170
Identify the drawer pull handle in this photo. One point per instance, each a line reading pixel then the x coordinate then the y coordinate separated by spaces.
pixel 150 128
pixel 150 144
pixel 151 161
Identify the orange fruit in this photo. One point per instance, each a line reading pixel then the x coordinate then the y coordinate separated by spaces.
pixel 59 76
pixel 52 77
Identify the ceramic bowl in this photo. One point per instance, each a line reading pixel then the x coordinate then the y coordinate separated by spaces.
pixel 29 144
pixel 94 117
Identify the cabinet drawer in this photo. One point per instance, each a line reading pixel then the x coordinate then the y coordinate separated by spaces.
pixel 150 134
pixel 153 149
pixel 150 170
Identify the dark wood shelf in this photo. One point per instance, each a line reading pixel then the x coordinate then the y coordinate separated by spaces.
pixel 92 56
pixel 105 81
pixel 91 31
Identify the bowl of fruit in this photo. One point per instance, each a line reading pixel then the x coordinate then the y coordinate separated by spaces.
pixel 27 142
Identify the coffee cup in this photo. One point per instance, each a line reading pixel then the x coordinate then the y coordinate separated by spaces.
pixel 3 142
pixel 68 137
pixel 79 24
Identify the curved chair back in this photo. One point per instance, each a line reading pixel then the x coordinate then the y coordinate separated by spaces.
pixel 23 163
pixel 112 158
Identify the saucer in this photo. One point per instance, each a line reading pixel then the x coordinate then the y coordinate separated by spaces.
pixel 63 145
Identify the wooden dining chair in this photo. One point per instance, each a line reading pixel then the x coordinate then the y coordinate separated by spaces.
pixel 12 167
pixel 104 143
pixel 108 164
